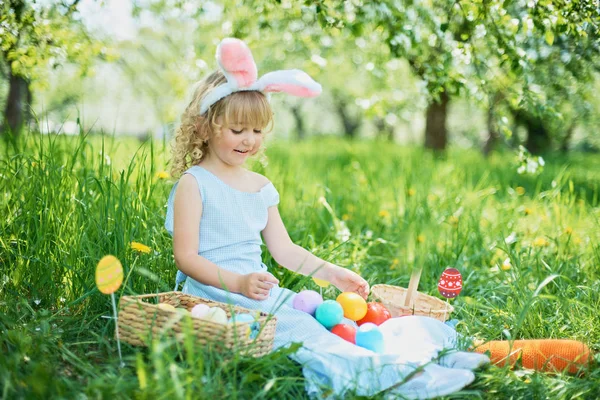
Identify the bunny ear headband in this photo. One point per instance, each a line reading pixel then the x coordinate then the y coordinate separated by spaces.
pixel 237 64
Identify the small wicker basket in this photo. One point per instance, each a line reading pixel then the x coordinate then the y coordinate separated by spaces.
pixel 139 321
pixel 392 297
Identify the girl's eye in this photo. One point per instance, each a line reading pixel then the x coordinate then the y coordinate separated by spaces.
pixel 238 132
pixel 257 131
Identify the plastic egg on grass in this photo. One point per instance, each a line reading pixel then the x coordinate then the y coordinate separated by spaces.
pixel 370 337
pixel 216 314
pixel 200 310
pixel 167 307
pixel 354 306
pixel 307 301
pixel 346 332
pixel 329 313
pixel 450 283
pixel 376 314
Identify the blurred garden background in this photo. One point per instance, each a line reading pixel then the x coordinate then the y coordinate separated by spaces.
pixel 449 133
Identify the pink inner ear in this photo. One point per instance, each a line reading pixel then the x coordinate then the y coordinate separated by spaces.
pixel 294 90
pixel 236 59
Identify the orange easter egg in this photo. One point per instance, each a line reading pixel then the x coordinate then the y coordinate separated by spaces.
pixel 355 307
pixel 450 283
pixel 109 274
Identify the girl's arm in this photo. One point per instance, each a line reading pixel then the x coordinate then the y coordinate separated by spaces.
pixel 298 259
pixel 186 230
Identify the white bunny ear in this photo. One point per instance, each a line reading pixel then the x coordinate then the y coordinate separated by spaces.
pixel 293 81
pixel 237 63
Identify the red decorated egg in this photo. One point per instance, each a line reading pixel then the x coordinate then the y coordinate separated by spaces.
pixel 346 332
pixel 376 314
pixel 450 283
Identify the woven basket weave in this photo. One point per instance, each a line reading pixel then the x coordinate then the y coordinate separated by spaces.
pixel 392 297
pixel 140 321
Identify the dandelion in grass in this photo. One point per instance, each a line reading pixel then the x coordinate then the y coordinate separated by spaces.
pixel 520 190
pixel 528 211
pixel 345 217
pixel 140 248
pixel 506 265
pixel 384 214
pixel 540 242
pixel 568 230
pixel 162 175
pixel 343 233
pixel 421 238
pixel 411 192
pixel 395 263
pixel 453 220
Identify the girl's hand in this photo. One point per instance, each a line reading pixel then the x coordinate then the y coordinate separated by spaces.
pixel 257 285
pixel 350 281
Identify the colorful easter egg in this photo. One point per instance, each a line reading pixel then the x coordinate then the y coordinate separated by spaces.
pixel 376 314
pixel 355 307
pixel 321 282
pixel 370 337
pixel 329 313
pixel 109 274
pixel 200 310
pixel 346 332
pixel 307 301
pixel 216 314
pixel 247 320
pixel 450 283
pixel 166 307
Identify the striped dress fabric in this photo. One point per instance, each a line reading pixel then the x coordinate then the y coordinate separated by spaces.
pixel 230 236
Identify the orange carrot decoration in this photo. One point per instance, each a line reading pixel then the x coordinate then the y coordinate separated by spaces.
pixel 547 355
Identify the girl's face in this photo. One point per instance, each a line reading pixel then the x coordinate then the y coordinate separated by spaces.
pixel 236 143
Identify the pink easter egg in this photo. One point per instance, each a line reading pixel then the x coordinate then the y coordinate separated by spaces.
pixel 450 283
pixel 307 301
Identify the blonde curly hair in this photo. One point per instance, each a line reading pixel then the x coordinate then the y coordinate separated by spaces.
pixel 190 146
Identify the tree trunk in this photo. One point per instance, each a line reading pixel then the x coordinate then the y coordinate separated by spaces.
pixel 492 127
pixel 350 124
pixel 436 133
pixel 298 118
pixel 383 130
pixel 564 146
pixel 538 137
pixel 17 104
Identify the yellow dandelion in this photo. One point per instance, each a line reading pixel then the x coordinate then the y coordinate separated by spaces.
pixel 453 220
pixel 577 240
pixel 506 265
pixel 351 208
pixel 528 211
pixel 421 238
pixel 34 164
pixel 345 217
pixel 395 263
pixel 162 175
pixel 568 230
pixel 520 190
pixel 384 214
pixel 140 248
pixel 411 192
pixel 540 242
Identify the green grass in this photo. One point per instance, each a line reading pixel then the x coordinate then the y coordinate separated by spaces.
pixel 65 207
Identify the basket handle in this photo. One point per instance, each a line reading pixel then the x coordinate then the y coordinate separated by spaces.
pixel 412 287
pixel 145 296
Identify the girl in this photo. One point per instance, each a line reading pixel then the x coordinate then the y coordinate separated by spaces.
pixel 217 212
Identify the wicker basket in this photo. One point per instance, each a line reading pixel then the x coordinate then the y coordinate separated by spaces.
pixel 140 321
pixel 392 297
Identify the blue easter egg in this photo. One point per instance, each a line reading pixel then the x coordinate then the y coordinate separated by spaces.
pixel 245 317
pixel 329 313
pixel 370 337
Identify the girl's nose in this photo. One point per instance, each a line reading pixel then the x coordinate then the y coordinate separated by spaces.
pixel 249 139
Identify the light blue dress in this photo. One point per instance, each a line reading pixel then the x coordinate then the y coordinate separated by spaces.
pixel 230 236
